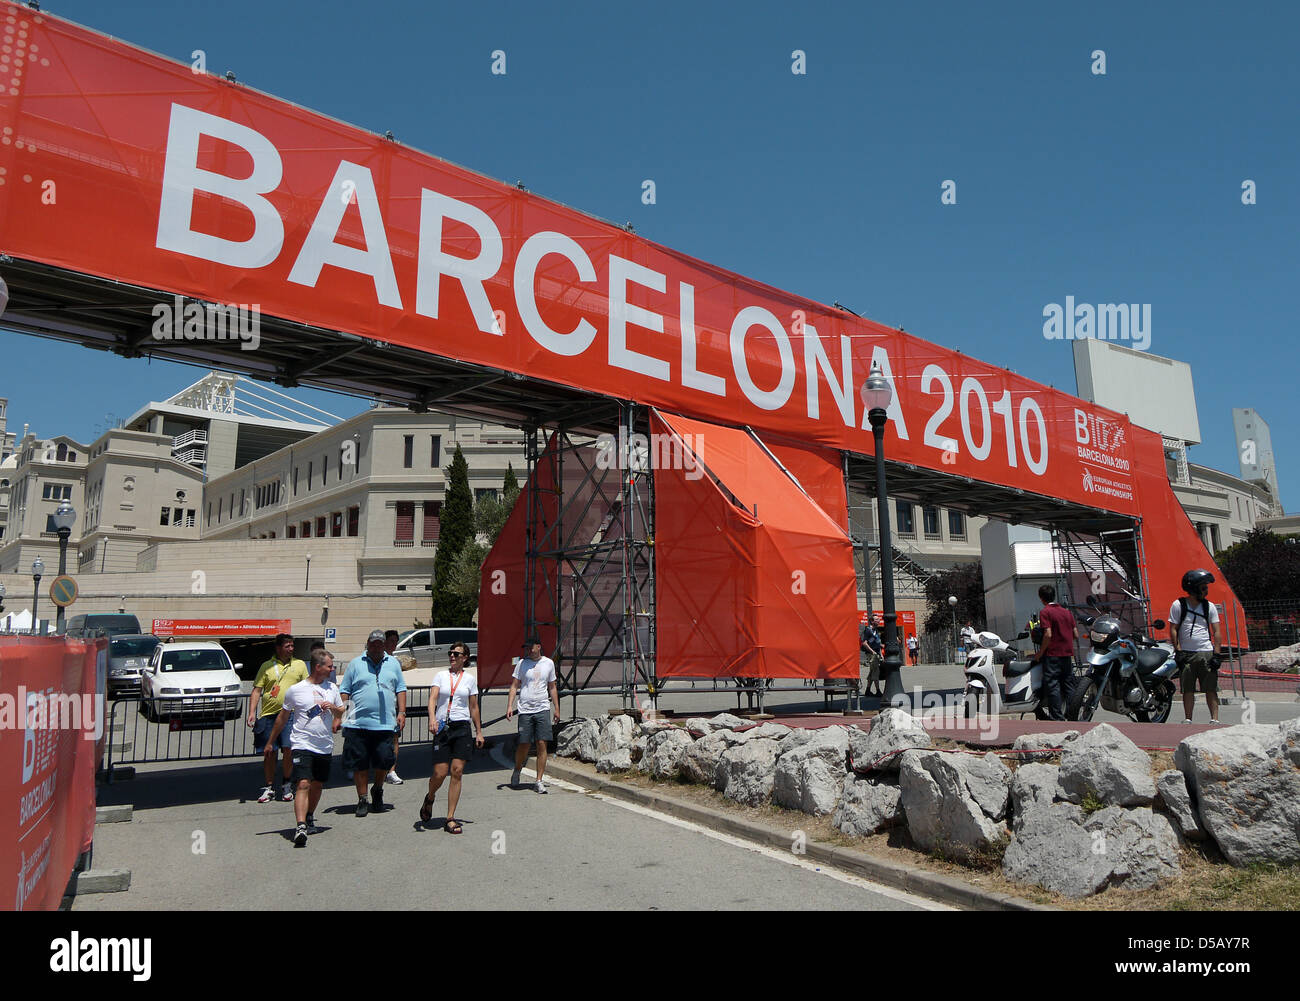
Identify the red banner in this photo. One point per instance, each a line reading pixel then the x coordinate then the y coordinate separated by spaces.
pixel 146 172
pixel 123 164
pixel 50 716
pixel 212 628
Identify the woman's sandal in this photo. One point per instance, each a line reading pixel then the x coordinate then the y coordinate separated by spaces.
pixel 426 811
pixel 451 826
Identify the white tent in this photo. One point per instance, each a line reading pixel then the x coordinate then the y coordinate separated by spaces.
pixel 20 622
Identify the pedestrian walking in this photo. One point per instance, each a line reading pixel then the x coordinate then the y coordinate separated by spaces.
pixel 391 637
pixel 539 702
pixel 913 649
pixel 316 709
pixel 375 696
pixel 454 696
pixel 273 679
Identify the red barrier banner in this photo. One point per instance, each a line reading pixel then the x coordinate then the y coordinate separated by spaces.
pixel 50 718
pixel 211 628
pixel 146 172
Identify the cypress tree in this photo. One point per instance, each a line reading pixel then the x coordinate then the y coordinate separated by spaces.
pixel 456 529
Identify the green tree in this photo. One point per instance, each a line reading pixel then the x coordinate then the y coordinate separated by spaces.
pixel 510 490
pixel 1263 566
pixel 967 583
pixel 455 531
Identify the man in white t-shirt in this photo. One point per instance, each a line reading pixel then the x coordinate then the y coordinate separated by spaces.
pixel 1196 640
pixel 539 703
pixel 317 712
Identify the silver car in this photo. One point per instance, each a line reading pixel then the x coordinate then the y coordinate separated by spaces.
pixel 128 655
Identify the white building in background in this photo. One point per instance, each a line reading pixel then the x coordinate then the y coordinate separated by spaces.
pixel 231 500
pixel 1255 450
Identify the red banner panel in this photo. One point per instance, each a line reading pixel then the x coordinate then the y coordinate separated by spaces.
pixel 50 719
pixel 215 628
pixel 503 586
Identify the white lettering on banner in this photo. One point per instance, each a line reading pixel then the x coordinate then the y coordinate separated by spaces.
pixel 814 358
pixel 990 417
pixel 621 313
pixel 745 321
pixel 531 253
pixel 692 377
pixel 182 177
pixel 320 247
pixel 30 870
pixel 471 272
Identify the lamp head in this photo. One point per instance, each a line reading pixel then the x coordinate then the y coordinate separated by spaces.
pixel 38 567
pixel 64 517
pixel 877 394
pixel 952 600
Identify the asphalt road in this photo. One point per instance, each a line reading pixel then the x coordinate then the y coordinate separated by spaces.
pixel 198 839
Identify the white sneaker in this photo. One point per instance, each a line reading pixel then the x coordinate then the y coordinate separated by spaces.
pixel 393 779
pixel 514 778
pixel 1186 721
pixel 541 787
pixel 268 794
pixel 286 793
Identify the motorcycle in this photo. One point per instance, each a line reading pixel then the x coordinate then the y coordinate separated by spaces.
pixel 1132 675
pixel 1023 679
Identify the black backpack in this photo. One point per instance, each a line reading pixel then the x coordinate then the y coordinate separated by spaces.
pixel 1184 608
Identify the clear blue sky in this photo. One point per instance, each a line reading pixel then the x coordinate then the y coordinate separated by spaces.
pixel 1117 188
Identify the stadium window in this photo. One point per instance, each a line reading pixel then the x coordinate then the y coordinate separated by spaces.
pixel 408 451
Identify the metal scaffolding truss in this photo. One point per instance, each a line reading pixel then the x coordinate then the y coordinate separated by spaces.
pixel 590 557
pixel 1109 565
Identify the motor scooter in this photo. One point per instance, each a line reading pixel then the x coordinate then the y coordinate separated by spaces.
pixel 1023 679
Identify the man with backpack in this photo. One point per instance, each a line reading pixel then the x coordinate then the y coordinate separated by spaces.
pixel 1194 629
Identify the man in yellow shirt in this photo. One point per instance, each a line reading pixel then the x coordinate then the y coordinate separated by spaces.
pixel 273 681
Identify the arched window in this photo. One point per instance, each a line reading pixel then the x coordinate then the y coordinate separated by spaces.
pixel 61 454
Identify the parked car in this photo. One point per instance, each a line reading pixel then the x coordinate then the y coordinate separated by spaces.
pixel 127 657
pixel 113 623
pixel 430 647
pixel 190 680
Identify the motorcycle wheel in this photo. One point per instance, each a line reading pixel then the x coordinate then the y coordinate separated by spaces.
pixel 1083 703
pixel 1160 714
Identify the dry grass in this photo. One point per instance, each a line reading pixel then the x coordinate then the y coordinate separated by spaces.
pixel 1207 882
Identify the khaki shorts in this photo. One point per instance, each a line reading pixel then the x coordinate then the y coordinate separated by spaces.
pixel 1196 666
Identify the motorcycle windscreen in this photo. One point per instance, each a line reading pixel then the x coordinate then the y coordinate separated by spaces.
pixel 503 595
pixel 753 578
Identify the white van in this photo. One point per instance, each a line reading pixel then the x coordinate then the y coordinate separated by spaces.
pixel 430 647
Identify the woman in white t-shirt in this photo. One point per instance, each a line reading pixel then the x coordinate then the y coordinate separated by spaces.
pixel 454 698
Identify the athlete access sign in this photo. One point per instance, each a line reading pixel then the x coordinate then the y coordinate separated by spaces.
pixel 180 628
pixel 187 183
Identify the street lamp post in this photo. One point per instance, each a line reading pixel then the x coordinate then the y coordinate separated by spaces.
pixel 38 568
pixel 306 584
pixel 877 395
pixel 952 603
pixel 64 518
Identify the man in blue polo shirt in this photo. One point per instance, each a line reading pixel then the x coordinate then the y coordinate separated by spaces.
pixel 374 695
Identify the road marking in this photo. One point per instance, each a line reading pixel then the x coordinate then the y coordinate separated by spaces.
pixel 788 858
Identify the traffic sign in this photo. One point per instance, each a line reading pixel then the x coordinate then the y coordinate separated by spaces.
pixel 331 634
pixel 63 591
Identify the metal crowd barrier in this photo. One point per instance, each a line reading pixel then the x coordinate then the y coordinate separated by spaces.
pixel 207 728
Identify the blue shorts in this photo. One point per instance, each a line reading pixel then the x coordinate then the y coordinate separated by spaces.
pixel 262 733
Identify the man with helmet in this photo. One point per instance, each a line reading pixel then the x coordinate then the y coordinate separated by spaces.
pixel 1194 629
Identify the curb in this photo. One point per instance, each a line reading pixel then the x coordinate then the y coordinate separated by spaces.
pixel 934 886
pixel 113 814
pixel 101 881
